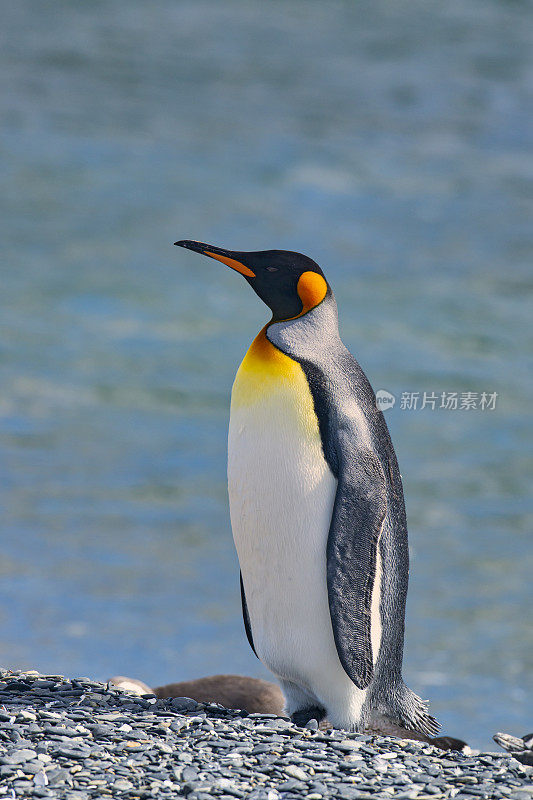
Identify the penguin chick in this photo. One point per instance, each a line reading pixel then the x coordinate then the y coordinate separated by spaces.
pixel 231 691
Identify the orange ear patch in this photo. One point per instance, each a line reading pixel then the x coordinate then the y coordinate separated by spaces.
pixel 231 262
pixel 311 289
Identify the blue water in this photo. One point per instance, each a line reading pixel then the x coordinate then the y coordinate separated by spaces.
pixel 390 142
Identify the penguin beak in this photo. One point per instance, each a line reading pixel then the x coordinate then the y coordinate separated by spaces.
pixel 225 256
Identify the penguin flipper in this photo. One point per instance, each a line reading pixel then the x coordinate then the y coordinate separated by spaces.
pixel 246 617
pixel 358 513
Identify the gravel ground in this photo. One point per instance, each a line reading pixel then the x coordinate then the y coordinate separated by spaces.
pixel 77 739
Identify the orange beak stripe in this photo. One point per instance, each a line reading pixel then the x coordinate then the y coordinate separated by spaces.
pixel 236 265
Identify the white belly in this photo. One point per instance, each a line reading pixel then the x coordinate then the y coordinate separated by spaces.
pixel 281 494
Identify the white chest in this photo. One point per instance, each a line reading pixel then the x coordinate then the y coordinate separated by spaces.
pixel 281 494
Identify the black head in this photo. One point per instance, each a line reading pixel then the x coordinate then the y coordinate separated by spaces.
pixel 289 283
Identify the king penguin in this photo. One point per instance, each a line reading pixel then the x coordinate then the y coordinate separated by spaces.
pixel 317 508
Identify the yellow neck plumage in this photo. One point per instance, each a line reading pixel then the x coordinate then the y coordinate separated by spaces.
pixel 264 367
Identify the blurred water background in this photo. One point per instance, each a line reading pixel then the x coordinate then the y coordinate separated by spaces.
pixel 390 142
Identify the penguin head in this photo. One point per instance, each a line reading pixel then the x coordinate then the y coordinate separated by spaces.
pixel 289 283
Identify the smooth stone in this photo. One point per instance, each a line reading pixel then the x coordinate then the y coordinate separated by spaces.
pixel 261 748
pixel 352 793
pixel 22 786
pixel 31 767
pixel 19 756
pixel 193 786
pixel 122 785
pixel 26 716
pixel 189 774
pixel 185 757
pixel 296 772
pixel 183 704
pixel 70 752
pixel 17 686
pixel 421 778
pixel 347 746
pixel 317 786
pixel 291 786
pixel 100 731
pixel 61 732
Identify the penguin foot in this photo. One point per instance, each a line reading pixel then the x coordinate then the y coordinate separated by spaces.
pixel 303 715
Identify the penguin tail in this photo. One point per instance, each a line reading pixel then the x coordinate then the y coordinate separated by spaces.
pixel 413 712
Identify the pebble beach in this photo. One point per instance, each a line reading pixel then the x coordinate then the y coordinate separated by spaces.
pixel 80 739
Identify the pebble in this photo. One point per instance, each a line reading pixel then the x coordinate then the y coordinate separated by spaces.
pixel 18 756
pixel 296 772
pixel 79 740
pixel 183 704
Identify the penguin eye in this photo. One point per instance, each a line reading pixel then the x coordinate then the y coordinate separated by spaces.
pixel 272 269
